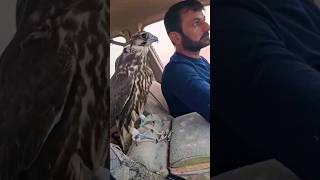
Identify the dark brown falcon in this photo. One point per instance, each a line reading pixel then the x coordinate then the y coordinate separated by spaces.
pixel 129 86
pixel 53 98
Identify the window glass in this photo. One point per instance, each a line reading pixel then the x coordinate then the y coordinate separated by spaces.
pixel 115 51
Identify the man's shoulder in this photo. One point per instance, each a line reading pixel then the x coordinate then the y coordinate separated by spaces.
pixel 176 69
pixel 178 66
pixel 180 59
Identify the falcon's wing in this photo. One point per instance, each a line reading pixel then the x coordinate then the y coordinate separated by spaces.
pixel 34 85
pixel 125 58
pixel 121 87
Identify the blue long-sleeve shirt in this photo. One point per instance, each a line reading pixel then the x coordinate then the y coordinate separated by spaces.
pixel 185 85
pixel 267 91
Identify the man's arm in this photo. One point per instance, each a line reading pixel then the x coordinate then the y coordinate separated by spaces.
pixel 258 74
pixel 189 88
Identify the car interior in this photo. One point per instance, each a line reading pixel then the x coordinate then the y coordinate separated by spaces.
pixel 162 159
pixel 143 13
pixel 159 158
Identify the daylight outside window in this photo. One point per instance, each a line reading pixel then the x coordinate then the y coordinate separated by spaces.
pixel 115 51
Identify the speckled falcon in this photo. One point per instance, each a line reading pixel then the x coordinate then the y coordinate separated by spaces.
pixel 53 95
pixel 129 86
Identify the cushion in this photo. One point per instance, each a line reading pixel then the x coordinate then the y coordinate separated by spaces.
pixel 154 156
pixel 190 145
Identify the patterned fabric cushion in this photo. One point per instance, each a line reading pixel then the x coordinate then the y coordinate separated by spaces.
pixel 190 145
pixel 149 153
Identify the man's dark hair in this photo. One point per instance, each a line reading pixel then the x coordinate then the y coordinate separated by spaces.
pixel 172 18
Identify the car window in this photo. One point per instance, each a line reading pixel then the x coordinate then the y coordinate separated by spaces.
pixel 115 51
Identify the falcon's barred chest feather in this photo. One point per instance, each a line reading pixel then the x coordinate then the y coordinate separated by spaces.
pixel 130 85
pixel 58 101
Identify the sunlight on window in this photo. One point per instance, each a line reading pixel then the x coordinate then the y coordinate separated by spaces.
pixel 115 51
pixel 164 47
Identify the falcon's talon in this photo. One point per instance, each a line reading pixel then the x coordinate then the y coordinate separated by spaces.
pixel 144 120
pixel 142 116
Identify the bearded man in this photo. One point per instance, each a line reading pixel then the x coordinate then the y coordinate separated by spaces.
pixel 186 78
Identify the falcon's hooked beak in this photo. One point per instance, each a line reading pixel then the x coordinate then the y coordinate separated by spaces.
pixel 152 39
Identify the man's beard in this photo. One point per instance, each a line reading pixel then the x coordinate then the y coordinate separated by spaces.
pixel 195 46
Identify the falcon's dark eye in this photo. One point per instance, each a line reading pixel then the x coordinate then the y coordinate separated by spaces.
pixel 144 35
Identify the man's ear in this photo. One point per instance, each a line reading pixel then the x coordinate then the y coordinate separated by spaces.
pixel 175 38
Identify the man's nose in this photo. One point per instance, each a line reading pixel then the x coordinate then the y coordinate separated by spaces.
pixel 206 26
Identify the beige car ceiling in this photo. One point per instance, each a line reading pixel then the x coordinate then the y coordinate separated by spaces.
pixel 128 15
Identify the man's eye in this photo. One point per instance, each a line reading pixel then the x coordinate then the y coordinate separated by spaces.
pixel 196 23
